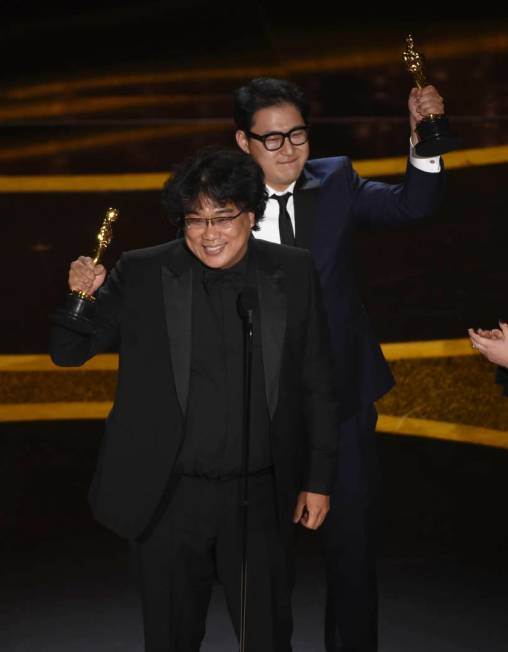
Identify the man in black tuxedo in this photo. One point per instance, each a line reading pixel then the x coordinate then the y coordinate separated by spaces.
pixel 168 474
pixel 318 204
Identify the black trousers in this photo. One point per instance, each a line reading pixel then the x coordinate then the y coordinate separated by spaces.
pixel 196 541
pixel 349 536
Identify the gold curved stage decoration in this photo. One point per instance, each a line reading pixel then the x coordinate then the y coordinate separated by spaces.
pixel 448 48
pixel 142 181
pixel 445 391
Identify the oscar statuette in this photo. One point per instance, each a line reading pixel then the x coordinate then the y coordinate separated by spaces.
pixel 78 306
pixel 433 130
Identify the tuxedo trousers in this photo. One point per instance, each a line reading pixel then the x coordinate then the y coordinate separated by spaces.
pixel 196 542
pixel 349 537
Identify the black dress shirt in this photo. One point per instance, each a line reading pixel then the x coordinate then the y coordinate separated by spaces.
pixel 213 430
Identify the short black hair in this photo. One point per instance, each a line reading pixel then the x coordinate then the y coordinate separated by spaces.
pixel 264 92
pixel 222 175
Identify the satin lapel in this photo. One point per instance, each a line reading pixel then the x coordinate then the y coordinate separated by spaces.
pixel 305 201
pixel 272 315
pixel 177 291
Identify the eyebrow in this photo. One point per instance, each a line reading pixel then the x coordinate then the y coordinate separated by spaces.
pixel 219 209
pixel 269 133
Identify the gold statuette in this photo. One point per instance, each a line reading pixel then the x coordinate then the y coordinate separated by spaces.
pixel 104 237
pixel 105 234
pixel 414 63
pixel 433 130
pixel 78 309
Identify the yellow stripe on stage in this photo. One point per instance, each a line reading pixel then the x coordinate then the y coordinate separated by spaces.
pixel 428 349
pixel 16 412
pixel 457 432
pixel 154 180
pixel 109 361
pixel 464 158
pixel 84 182
pixel 42 362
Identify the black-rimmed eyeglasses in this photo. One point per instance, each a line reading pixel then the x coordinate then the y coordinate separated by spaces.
pixel 275 139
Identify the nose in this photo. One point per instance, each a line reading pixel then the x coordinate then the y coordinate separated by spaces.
pixel 210 230
pixel 287 147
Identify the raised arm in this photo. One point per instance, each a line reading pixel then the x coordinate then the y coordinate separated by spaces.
pixel 72 343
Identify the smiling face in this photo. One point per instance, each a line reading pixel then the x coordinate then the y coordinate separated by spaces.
pixel 284 165
pixel 218 246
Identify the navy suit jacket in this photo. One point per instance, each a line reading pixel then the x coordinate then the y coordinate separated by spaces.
pixel 331 201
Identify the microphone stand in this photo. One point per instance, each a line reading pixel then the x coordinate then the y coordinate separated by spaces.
pixel 244 500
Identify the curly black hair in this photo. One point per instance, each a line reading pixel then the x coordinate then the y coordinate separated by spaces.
pixel 222 175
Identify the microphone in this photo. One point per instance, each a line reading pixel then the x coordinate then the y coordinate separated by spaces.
pixel 247 304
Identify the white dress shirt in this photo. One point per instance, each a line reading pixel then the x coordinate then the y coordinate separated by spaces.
pixel 269 225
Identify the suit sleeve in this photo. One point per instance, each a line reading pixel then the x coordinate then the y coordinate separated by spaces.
pixel 71 345
pixel 320 396
pixel 377 204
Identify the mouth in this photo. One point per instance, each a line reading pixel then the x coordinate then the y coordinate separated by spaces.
pixel 214 250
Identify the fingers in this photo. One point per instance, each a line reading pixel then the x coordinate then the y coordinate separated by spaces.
pixel 494 346
pixel 426 101
pixel 316 509
pixel 477 341
pixel 300 507
pixel 84 276
pixel 480 335
pixel 312 520
pixel 493 334
pixel 413 94
pixel 81 274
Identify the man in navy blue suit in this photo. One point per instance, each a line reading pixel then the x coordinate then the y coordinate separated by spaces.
pixel 317 204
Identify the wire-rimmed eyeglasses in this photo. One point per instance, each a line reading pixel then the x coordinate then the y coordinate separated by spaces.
pixel 200 223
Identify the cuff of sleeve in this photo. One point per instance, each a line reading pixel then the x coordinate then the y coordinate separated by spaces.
pixel 320 473
pixel 432 165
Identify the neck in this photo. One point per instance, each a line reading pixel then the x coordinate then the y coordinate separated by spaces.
pixel 278 187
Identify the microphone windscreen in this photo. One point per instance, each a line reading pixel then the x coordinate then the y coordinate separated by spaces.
pixel 247 303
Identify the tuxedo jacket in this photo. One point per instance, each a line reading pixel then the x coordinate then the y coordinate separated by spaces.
pixel 331 201
pixel 146 304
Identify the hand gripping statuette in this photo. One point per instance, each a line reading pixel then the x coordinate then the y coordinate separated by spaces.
pixel 78 306
pixel 434 129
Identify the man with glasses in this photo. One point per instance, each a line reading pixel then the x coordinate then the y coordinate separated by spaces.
pixel 168 475
pixel 317 205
